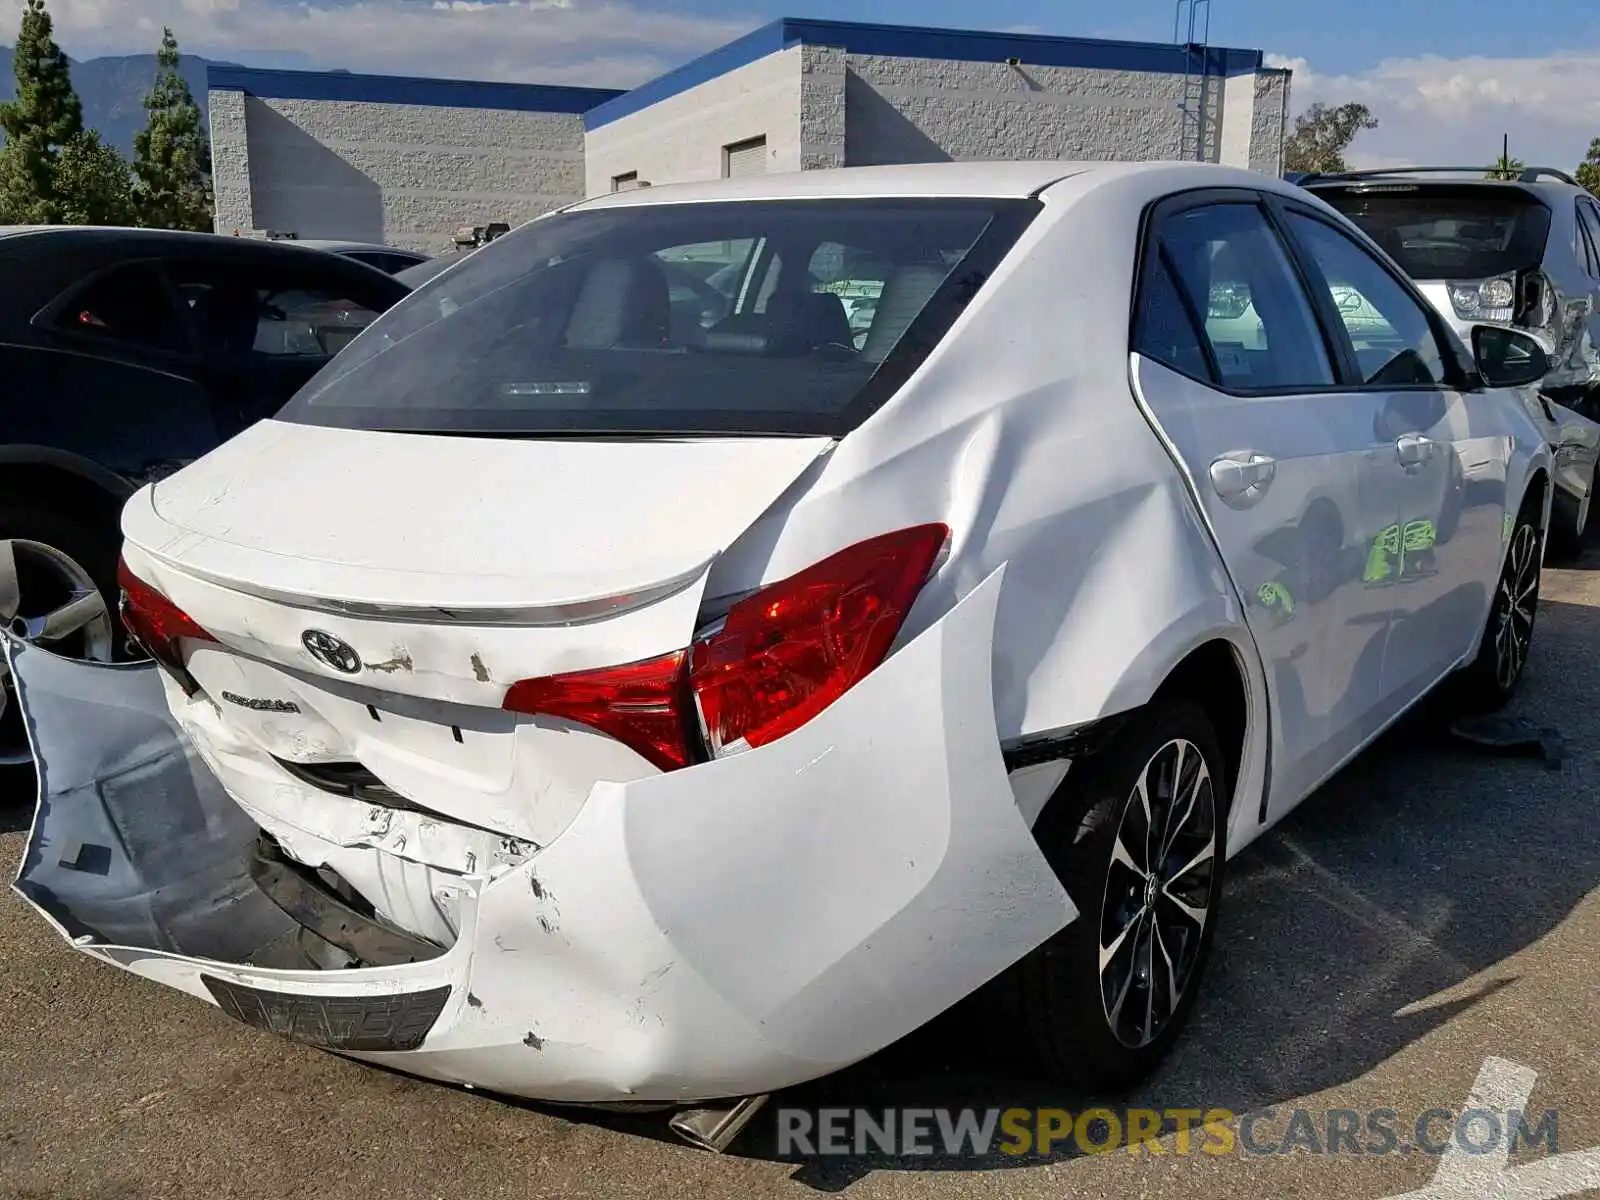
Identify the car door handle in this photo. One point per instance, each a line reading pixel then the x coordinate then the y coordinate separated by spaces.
pixel 1243 475
pixel 1413 450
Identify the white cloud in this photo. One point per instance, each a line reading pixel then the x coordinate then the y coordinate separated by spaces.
pixel 603 43
pixel 1453 111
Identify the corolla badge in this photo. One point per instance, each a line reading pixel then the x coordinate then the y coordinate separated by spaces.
pixel 331 651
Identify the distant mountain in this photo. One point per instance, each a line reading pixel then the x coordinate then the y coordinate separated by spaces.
pixel 113 90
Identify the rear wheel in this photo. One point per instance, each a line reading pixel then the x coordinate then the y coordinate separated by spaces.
pixel 1491 679
pixel 1137 838
pixel 57 590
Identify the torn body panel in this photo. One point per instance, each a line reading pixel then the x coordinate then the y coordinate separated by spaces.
pixel 863 875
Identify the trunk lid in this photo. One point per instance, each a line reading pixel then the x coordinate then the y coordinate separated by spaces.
pixel 365 520
pixel 450 568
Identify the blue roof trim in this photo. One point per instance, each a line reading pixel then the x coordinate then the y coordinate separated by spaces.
pixel 397 89
pixel 752 46
pixel 912 41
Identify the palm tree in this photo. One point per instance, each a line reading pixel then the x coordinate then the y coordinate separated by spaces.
pixel 1506 167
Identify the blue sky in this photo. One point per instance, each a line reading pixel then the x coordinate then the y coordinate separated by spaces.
pixel 1445 79
pixel 1348 35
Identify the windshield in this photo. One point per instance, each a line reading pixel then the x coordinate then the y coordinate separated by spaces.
pixel 1460 231
pixel 791 317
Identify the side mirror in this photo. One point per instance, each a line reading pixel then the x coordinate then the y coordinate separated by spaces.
pixel 1508 357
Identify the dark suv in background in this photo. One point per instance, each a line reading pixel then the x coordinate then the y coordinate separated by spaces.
pixel 124 354
pixel 1523 252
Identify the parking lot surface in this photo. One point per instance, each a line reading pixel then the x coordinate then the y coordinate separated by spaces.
pixel 1426 923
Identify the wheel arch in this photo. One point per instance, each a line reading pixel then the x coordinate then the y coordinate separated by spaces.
pixel 62 480
pixel 1220 670
pixel 1538 485
pixel 1213 676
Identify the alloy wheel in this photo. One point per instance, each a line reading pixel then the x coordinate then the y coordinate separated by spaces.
pixel 1515 604
pixel 1158 893
pixel 48 599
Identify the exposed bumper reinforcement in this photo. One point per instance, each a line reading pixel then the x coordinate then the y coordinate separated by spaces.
pixel 720 931
pixel 315 908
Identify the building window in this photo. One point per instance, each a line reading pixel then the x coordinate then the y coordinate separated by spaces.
pixel 748 157
pixel 623 183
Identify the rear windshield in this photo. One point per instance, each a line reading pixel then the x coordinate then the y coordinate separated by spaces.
pixel 790 317
pixel 1461 231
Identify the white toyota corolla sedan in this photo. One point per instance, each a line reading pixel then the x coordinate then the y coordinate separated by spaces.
pixel 624 676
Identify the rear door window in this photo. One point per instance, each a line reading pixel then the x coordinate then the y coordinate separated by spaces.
pixel 1165 329
pixel 129 306
pixel 309 321
pixel 1389 330
pixel 240 311
pixel 1258 324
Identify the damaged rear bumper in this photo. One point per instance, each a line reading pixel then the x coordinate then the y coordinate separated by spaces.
pixel 728 929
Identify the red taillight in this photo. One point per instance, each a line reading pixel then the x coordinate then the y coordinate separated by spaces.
pixel 639 704
pixel 158 624
pixel 780 657
pixel 787 652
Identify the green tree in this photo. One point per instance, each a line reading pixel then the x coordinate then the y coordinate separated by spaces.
pixel 1322 134
pixel 172 153
pixel 1505 167
pixel 93 183
pixel 43 118
pixel 1588 173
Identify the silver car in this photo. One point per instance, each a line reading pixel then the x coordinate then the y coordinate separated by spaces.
pixel 1522 252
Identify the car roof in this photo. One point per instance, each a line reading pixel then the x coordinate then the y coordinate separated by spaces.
pixel 418 274
pixel 161 240
pixel 996 180
pixel 338 247
pixel 40 262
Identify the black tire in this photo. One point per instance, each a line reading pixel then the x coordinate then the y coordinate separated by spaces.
pixel 1488 682
pixel 1057 995
pixel 93 546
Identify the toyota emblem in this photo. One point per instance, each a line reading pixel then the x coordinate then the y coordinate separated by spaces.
pixel 331 651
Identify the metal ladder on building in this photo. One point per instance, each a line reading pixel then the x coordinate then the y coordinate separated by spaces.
pixel 1191 30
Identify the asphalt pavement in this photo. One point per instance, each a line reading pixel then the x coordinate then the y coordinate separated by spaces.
pixel 1423 934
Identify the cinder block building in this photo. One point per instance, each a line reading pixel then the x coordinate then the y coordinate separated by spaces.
pixel 409 161
pixel 796 95
pixel 378 158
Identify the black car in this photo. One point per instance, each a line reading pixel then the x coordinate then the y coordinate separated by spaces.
pixel 124 354
pixel 389 259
